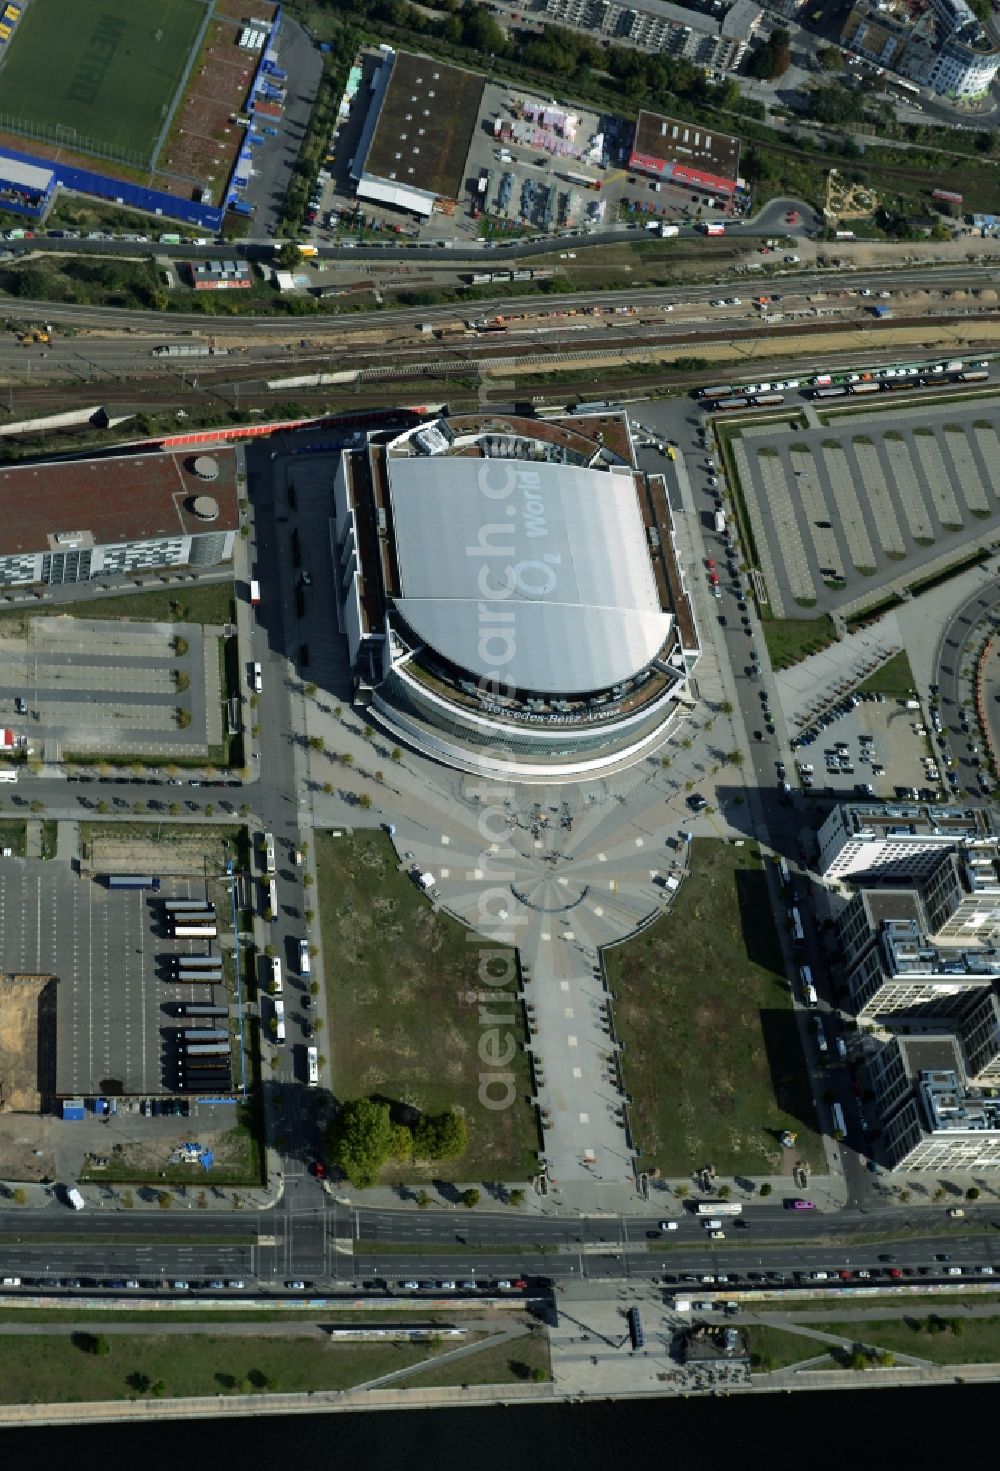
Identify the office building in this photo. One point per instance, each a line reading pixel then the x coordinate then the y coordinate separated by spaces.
pixel 76 520
pixel 932 1119
pixel 895 839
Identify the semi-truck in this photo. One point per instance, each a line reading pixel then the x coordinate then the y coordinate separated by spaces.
pixel 132 881
pixel 195 932
pixel 188 906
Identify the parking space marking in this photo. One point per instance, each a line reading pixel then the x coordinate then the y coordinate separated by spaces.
pixel 989 452
pixel 911 497
pixel 834 459
pixel 937 480
pixel 879 498
pixel 965 470
pixel 760 527
pixel 776 493
pixel 824 538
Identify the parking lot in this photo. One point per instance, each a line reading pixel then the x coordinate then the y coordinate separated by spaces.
pixel 839 510
pixel 112 960
pixel 874 748
pixel 100 686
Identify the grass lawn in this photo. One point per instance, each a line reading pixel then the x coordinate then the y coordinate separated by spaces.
pixel 713 1054
pixel 214 603
pixel 106 74
pixel 976 1342
pixel 14 835
pixel 402 986
pixel 775 1348
pixel 501 1363
pixel 894 678
pixel 791 639
pixel 52 1368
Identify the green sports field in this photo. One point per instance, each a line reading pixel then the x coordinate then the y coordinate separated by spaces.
pixel 97 75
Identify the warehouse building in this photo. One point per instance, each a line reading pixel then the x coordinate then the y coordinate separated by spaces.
pixel 417 133
pixel 685 154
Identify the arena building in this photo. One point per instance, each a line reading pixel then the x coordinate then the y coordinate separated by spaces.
pixel 685 154
pixel 75 520
pixel 511 593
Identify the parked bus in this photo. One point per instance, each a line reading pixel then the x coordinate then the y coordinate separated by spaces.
pixel 808 988
pixel 722 390
pixel 635 1328
pixel 839 1127
pixel 279 1017
pixel 202 917
pixel 269 866
pixel 304 965
pixel 199 962
pixel 205 1034
pixel 798 933
pixel 201 1008
pixel 195 932
pixel 718 1208
pixel 312 1063
pixel 272 899
pixel 198 977
pixel 207 1049
pixel 133 880
pixel 820 1031
pixel 187 906
pixel 277 985
pixel 783 873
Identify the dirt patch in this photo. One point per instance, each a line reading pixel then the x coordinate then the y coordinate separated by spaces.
pixel 27 1042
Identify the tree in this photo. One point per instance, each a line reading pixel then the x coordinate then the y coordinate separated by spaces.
pixel 361 1140
pixel 440 1136
pixel 735 758
pixel 36 805
pixel 19 1196
pixel 423 1199
pixel 471 1198
pixel 765 1190
pixel 830 58
pixel 395 754
pixel 138 1381
pixel 164 1200
pixel 726 707
pixel 515 1197
pixel 724 1192
pixel 682 1191
pixel 972 1193
pixel 365 801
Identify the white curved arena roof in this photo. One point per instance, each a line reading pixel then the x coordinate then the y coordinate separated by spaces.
pixel 583 613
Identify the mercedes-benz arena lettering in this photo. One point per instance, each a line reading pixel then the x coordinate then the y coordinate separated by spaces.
pixel 512 595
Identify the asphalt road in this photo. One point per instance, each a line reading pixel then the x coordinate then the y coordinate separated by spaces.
pixel 329 1245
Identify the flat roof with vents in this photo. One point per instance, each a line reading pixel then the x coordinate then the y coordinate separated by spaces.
pixel 425 125
pixel 692 153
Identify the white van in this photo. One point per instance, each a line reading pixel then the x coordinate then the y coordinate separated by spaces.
pixel 277 986
pixel 713 1225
